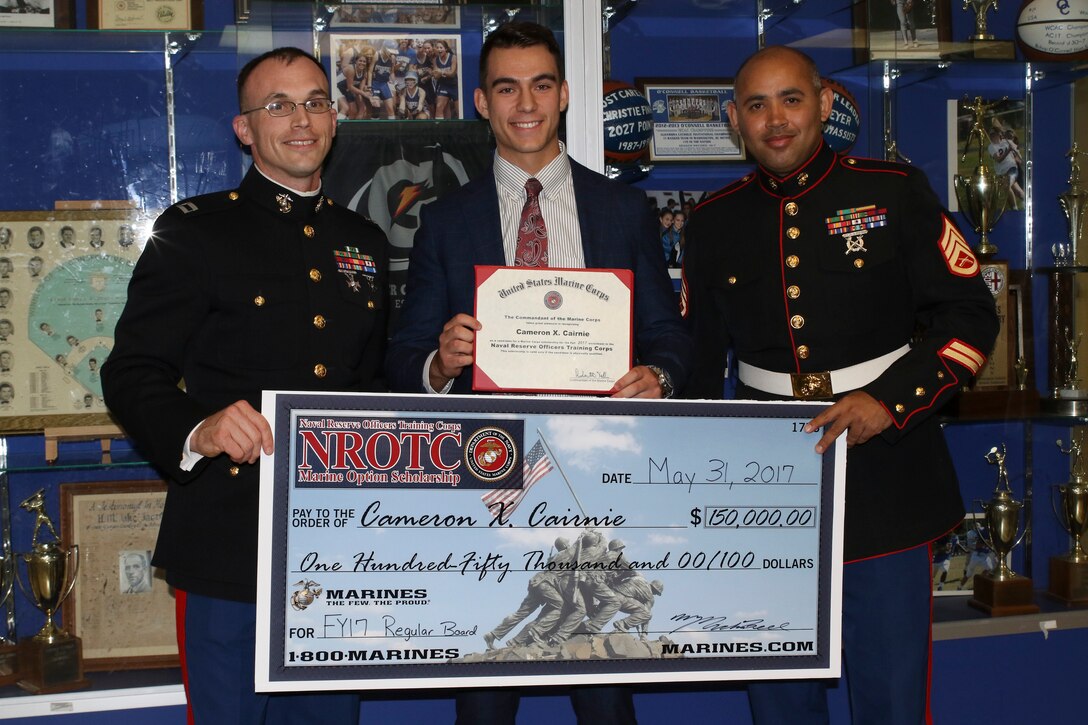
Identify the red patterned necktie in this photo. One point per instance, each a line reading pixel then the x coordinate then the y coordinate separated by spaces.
pixel 532 248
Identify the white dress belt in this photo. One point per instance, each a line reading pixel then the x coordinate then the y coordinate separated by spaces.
pixel 819 384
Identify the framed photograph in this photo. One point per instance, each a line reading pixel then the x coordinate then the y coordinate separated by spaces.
pixel 145 15
pixel 121 607
pixel 63 283
pixel 37 14
pixel 407 77
pixel 902 29
pixel 396 15
pixel 1003 125
pixel 959 555
pixel 690 120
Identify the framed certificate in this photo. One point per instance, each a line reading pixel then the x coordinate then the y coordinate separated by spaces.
pixel 690 120
pixel 145 14
pixel 552 330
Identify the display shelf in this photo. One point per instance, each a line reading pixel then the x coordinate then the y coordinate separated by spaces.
pixel 121 690
pixel 954 618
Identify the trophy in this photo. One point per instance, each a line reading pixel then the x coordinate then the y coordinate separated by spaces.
pixel 9 651
pixel 983 44
pixel 983 195
pixel 1069 573
pixel 1002 592
pixel 52 659
pixel 1072 202
pixel 1067 396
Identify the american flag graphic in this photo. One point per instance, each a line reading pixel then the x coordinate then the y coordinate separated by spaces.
pixel 535 467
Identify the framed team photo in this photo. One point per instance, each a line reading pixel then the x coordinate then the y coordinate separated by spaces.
pixel 690 120
pixel 396 76
pixel 63 283
pixel 959 555
pixel 37 14
pixel 396 15
pixel 121 606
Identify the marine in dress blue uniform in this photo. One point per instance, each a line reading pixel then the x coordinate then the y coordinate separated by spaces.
pixel 258 288
pixel 844 279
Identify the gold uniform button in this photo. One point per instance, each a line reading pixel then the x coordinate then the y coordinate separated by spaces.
pixel 851 161
pixel 308 231
pixel 370 304
pixel 797 322
pixel 940 375
pixel 791 208
pixel 315 275
pixel 319 322
pixel 793 291
pixel 802 352
pixel 793 232
pixel 793 260
pixel 320 371
pixel 859 263
pixel 233 196
pixel 328 201
pixel 234 470
pixel 258 300
pixel 900 408
pixel 919 392
pixel 732 279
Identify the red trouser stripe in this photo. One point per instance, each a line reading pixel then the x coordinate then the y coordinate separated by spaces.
pixel 179 614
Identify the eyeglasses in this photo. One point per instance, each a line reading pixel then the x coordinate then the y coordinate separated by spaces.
pixel 286 108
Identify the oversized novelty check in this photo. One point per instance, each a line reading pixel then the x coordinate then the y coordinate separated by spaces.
pixel 552 330
pixel 467 541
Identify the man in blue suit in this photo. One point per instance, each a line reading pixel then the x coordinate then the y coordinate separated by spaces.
pixel 532 192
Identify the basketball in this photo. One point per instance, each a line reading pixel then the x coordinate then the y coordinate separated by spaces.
pixel 1053 29
pixel 842 126
pixel 628 122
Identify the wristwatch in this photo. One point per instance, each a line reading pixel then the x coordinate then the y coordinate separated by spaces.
pixel 664 380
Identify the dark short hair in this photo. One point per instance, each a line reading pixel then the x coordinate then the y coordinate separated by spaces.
pixel 287 55
pixel 520 35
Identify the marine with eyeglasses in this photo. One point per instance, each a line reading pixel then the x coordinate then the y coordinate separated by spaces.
pixel 269 286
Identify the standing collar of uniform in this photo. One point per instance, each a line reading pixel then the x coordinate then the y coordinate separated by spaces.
pixel 802 179
pixel 510 179
pixel 285 202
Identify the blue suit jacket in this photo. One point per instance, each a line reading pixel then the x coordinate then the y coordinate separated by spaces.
pixel 463 229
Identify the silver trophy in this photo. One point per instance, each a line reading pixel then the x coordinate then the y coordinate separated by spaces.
pixel 1069 572
pixel 1073 204
pixel 1002 592
pixel 984 195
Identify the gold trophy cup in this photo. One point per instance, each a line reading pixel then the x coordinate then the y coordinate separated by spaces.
pixel 9 651
pixel 1069 573
pixel 52 659
pixel 1002 592
pixel 983 195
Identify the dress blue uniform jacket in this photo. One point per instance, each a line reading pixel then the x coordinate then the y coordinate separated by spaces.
pixel 841 262
pixel 238 292
pixel 463 229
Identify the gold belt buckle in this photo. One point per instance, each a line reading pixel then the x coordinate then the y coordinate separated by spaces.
pixel 809 386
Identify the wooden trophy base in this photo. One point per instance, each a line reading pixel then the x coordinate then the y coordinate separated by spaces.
pixel 9 663
pixel 1068 580
pixel 52 667
pixel 1003 598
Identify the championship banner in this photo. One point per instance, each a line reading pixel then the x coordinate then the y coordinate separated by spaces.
pixel 412 541
pixel 388 170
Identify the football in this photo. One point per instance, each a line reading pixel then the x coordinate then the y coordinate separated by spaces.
pixel 1055 30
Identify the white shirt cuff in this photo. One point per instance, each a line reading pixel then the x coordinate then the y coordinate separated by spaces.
pixel 188 458
pixel 427 378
